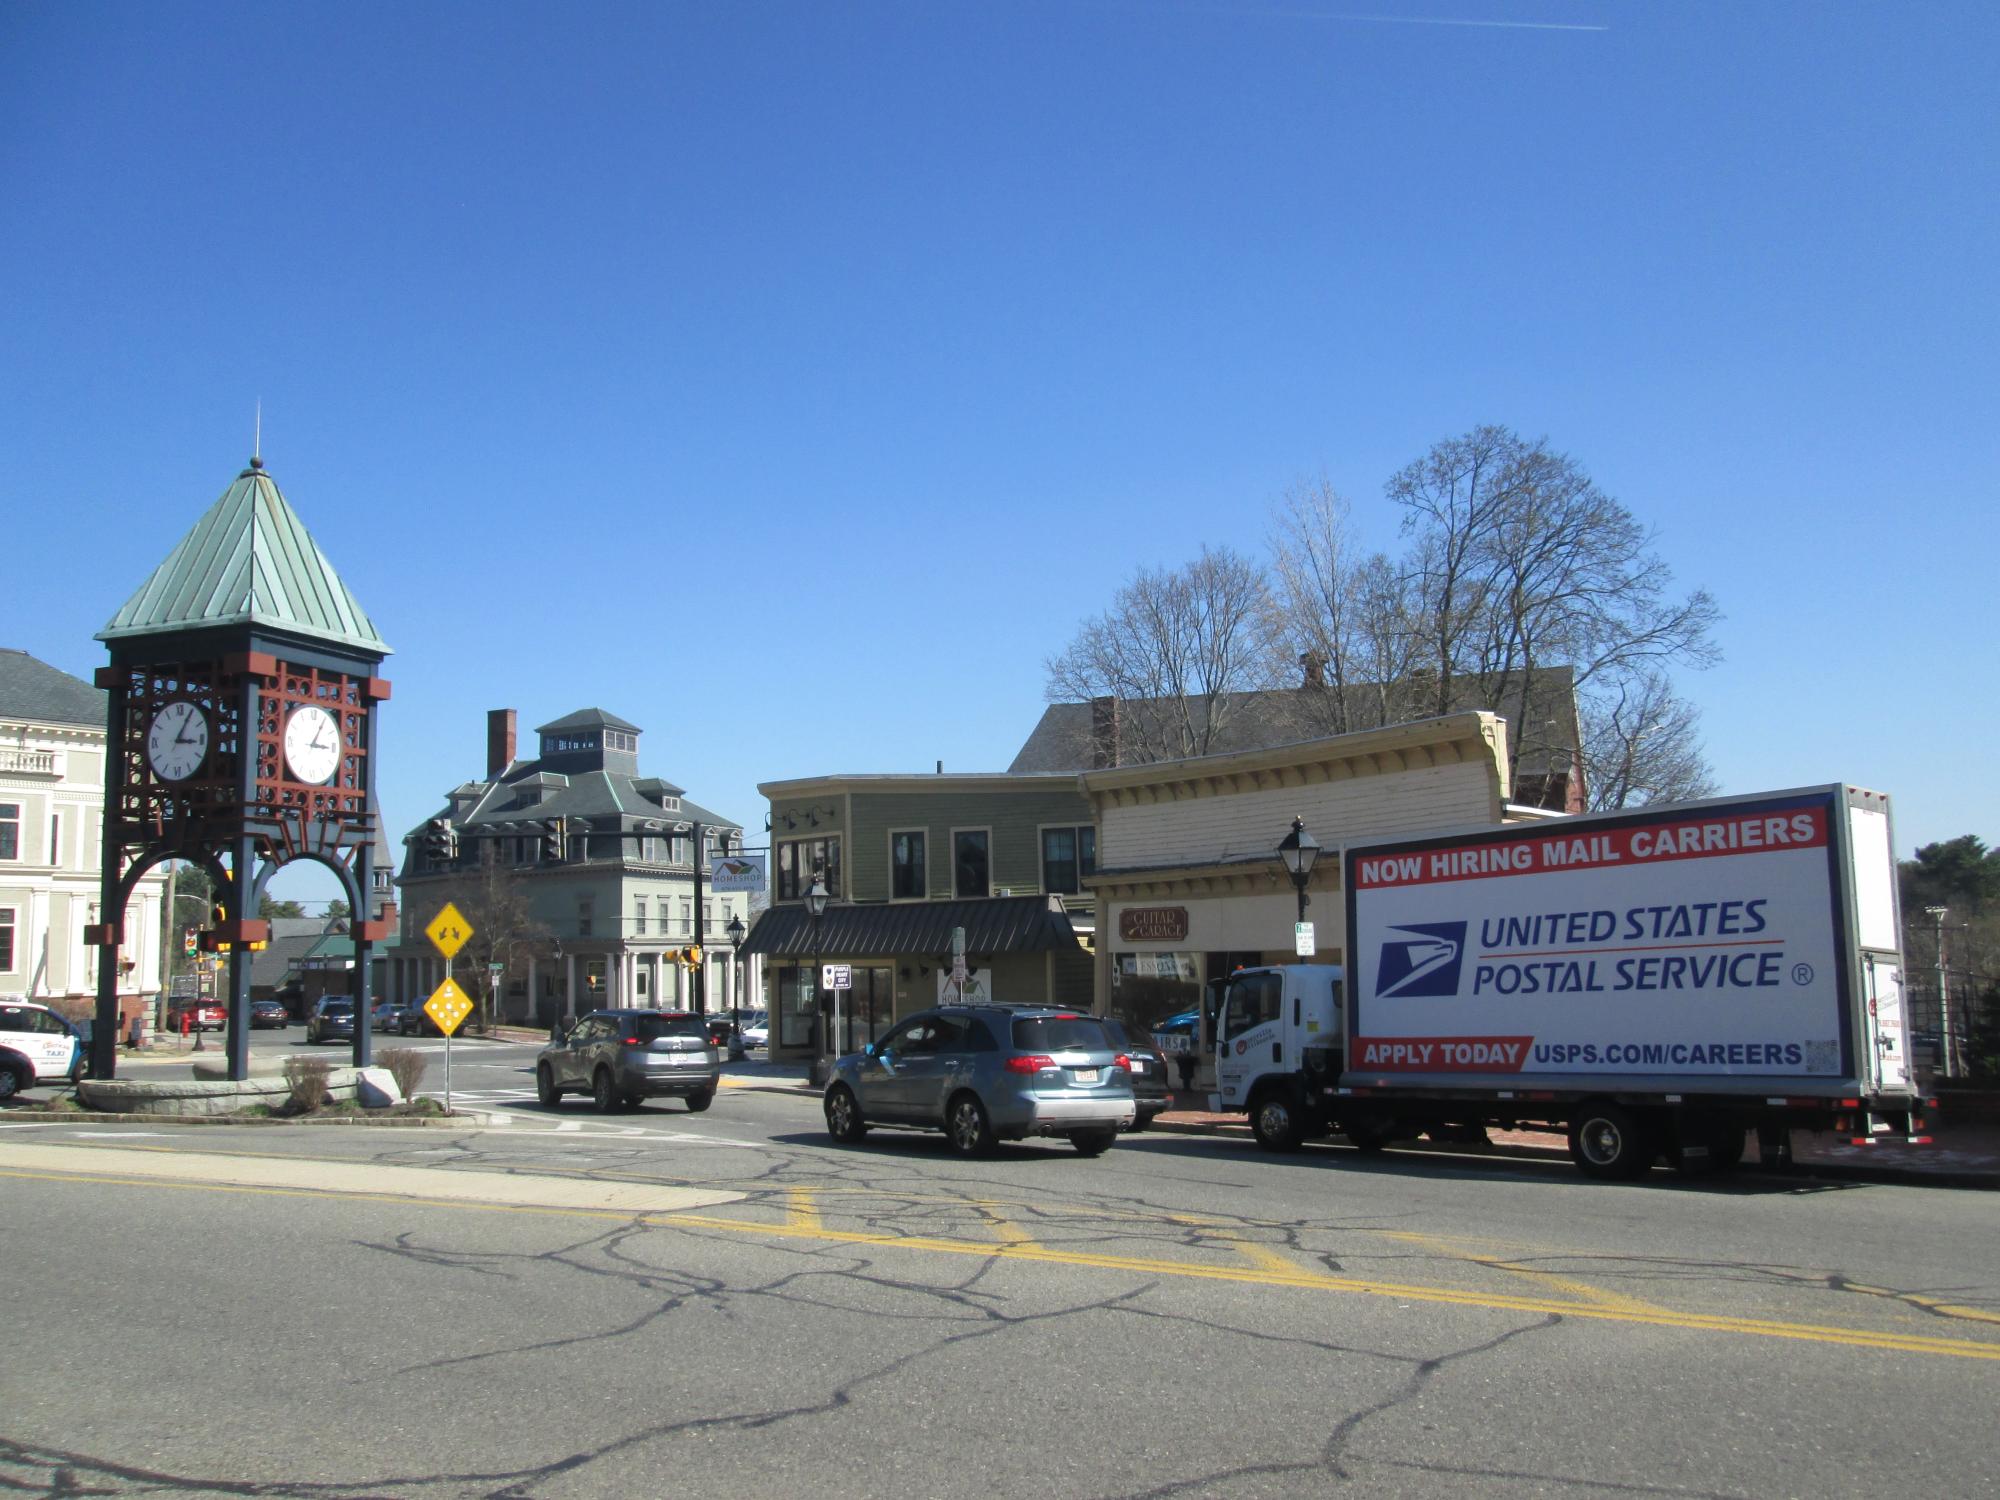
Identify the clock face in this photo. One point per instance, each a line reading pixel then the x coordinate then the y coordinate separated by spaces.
pixel 312 744
pixel 177 742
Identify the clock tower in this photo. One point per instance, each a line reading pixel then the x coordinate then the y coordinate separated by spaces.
pixel 244 684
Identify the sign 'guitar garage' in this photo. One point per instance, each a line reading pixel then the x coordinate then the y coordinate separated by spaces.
pixel 1153 924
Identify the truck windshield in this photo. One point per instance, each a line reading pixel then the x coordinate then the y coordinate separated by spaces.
pixel 1253 999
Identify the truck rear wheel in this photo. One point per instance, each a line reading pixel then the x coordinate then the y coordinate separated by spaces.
pixel 1609 1143
pixel 1274 1120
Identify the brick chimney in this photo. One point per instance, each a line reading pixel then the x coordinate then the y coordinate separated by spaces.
pixel 499 741
pixel 1313 663
pixel 1104 746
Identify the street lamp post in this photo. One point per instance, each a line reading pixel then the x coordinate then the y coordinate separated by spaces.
pixel 1300 852
pixel 735 931
pixel 1937 915
pixel 822 1062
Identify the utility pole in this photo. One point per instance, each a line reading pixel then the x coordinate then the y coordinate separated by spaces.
pixel 1936 914
pixel 701 933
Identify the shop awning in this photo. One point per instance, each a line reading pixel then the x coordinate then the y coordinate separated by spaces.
pixel 1002 924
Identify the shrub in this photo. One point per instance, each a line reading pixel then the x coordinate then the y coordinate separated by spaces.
pixel 307 1077
pixel 406 1065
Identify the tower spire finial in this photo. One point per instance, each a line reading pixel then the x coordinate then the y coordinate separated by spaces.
pixel 257 439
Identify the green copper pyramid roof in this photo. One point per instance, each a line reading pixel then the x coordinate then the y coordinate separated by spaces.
pixel 249 560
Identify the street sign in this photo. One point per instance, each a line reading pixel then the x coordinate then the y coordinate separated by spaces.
pixel 496 968
pixel 448 1006
pixel 837 977
pixel 449 931
pixel 1302 940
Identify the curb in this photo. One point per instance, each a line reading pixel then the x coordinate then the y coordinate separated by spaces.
pixel 150 1117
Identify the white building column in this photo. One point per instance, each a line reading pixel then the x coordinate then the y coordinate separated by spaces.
pixel 569 986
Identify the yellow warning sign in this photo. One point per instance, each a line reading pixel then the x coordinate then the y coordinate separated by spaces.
pixel 449 931
pixel 448 1006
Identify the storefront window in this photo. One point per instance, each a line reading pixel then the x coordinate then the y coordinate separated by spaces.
pixel 795 1006
pixel 1148 989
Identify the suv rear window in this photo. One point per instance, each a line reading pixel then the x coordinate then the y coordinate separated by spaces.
pixel 1059 1034
pixel 337 1008
pixel 645 1028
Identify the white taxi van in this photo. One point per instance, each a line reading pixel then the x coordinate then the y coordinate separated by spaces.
pixel 36 1046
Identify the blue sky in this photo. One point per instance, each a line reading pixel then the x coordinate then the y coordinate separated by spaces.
pixel 792 379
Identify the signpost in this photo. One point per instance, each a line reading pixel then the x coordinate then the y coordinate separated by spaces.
pixel 1302 940
pixel 837 977
pixel 448 1007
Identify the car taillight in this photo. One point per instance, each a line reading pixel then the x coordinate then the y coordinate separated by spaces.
pixel 1122 1060
pixel 632 1041
pixel 1030 1063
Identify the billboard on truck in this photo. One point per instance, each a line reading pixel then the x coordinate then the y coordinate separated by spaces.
pixel 1702 939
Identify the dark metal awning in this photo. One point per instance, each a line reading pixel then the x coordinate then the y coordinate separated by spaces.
pixel 1003 924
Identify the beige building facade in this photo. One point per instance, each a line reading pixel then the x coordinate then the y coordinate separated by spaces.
pixel 52 748
pixel 1189 882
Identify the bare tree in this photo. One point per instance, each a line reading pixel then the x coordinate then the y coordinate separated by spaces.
pixel 1642 744
pixel 1348 619
pixel 1521 563
pixel 1174 649
pixel 505 930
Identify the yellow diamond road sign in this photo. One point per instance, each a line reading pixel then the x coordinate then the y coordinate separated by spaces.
pixel 449 930
pixel 448 1006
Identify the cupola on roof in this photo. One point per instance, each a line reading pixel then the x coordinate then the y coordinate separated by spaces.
pixel 249 560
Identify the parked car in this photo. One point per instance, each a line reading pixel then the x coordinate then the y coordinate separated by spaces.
pixel 388 1015
pixel 268 1012
pixel 620 1057
pixel 198 1015
pixel 982 1073
pixel 332 1020
pixel 37 1046
pixel 1151 1090
pixel 757 1030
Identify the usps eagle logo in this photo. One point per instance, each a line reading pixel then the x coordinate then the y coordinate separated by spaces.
pixel 1425 960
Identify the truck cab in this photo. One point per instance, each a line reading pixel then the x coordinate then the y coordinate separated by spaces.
pixel 1278 1043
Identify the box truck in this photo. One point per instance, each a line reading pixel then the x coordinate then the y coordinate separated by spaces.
pixel 1655 983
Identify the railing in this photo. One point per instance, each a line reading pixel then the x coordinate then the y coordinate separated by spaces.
pixel 28 762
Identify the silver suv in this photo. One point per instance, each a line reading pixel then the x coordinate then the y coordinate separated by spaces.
pixel 982 1073
pixel 619 1057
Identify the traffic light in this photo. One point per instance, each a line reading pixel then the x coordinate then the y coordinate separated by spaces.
pixel 440 841
pixel 688 957
pixel 552 841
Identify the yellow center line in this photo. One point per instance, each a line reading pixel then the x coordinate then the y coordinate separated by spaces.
pixel 801 1212
pixel 1859 1338
pixel 1596 1296
pixel 1261 1256
pixel 1005 1229
pixel 805 1223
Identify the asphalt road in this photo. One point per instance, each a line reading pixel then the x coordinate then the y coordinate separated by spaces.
pixel 578 1305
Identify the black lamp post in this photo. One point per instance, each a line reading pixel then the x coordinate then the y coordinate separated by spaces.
pixel 822 1058
pixel 735 932
pixel 1300 852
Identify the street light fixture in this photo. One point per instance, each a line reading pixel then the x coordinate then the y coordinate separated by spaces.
pixel 1300 852
pixel 822 1062
pixel 735 932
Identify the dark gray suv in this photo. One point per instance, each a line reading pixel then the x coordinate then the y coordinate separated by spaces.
pixel 982 1073
pixel 619 1057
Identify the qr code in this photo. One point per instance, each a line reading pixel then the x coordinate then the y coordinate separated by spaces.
pixel 1822 1057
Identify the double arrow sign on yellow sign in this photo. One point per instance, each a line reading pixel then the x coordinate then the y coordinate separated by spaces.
pixel 448 1005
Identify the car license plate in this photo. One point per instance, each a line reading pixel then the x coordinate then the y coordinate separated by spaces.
pixel 1086 1075
pixel 1138 1065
